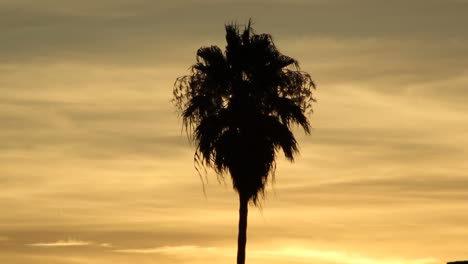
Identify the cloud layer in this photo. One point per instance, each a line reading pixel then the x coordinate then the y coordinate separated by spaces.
pixel 91 146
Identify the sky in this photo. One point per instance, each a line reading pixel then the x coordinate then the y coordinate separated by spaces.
pixel 95 167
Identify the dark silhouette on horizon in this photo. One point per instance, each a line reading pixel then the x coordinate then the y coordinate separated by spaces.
pixel 238 107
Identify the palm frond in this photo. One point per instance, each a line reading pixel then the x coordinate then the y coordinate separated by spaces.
pixel 238 107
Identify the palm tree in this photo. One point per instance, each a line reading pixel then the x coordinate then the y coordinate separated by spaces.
pixel 238 107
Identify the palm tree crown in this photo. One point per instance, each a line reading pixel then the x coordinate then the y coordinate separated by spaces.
pixel 238 107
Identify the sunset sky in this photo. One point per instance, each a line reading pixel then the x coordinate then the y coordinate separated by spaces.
pixel 94 166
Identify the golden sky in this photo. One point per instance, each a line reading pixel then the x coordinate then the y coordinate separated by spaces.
pixel 94 167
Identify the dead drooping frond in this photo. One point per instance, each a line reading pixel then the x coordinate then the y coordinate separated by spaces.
pixel 238 107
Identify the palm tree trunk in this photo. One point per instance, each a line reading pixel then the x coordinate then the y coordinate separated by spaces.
pixel 242 236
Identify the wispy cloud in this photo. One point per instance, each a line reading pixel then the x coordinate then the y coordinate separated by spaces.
pixel 68 243
pixel 61 243
pixel 186 249
pixel 105 245
pixel 296 253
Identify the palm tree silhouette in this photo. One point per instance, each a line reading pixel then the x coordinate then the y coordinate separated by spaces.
pixel 238 107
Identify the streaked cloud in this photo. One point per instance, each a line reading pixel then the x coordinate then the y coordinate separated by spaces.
pixel 105 245
pixel 91 144
pixel 294 254
pixel 127 31
pixel 62 243
pixel 70 243
pixel 187 249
